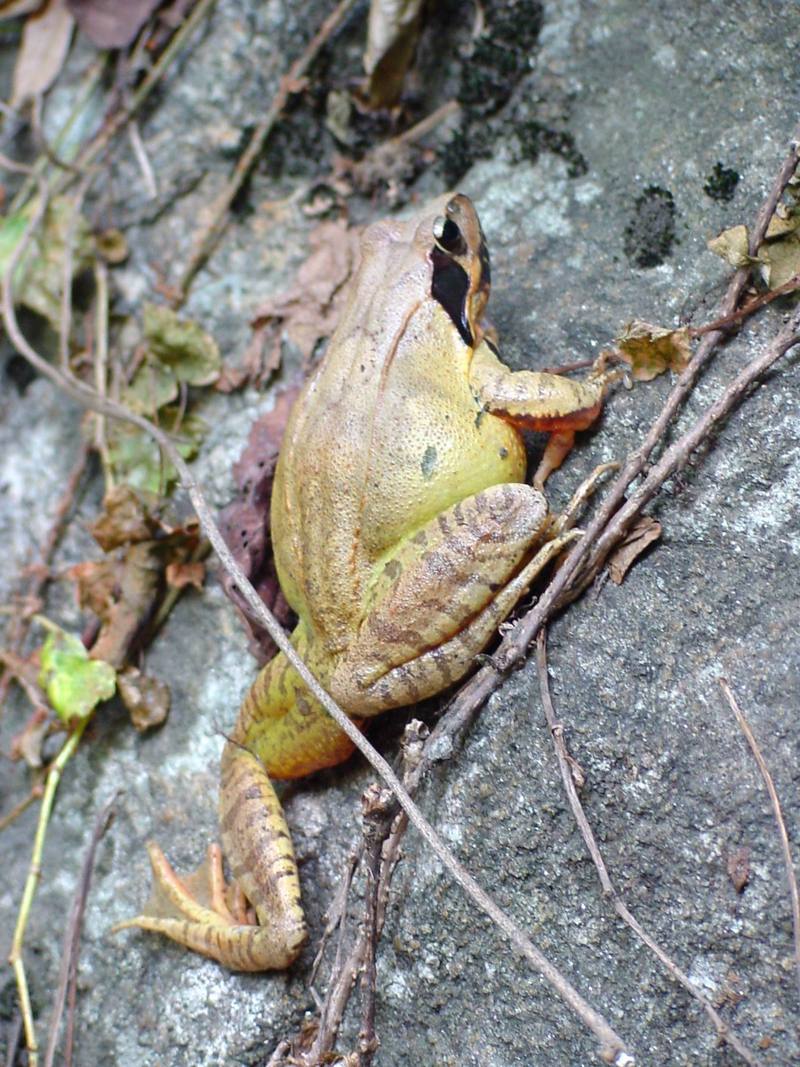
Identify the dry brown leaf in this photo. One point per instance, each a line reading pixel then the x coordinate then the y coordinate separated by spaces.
pixel 392 33
pixel 642 534
pixel 738 865
pixel 147 699
pixel 125 519
pixel 179 575
pixel 309 311
pixel 112 23
pixel 245 523
pixel 650 350
pixel 732 245
pixel 45 42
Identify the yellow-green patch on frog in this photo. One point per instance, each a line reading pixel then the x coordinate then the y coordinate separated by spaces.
pixel 404 533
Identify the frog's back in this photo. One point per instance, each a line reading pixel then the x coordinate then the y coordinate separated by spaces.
pixel 385 435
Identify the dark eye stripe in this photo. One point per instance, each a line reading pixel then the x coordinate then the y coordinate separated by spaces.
pixel 450 286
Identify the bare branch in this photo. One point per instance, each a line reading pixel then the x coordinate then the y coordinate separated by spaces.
pixel 791 877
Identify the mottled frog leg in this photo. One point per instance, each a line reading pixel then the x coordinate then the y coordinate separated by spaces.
pixel 437 602
pixel 535 400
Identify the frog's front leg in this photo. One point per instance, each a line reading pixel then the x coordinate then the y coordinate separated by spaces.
pixel 439 599
pixel 534 400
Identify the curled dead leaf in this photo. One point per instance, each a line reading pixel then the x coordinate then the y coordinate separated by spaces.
pixel 650 350
pixel 147 699
pixel 112 23
pixel 309 310
pixel 733 246
pixel 245 523
pixel 45 43
pixel 125 519
pixel 738 864
pixel 27 744
pixel 392 32
pixel 641 535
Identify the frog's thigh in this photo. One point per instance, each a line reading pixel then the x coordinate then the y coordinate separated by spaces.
pixel 284 726
pixel 451 580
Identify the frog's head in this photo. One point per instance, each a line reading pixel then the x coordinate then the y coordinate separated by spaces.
pixel 460 259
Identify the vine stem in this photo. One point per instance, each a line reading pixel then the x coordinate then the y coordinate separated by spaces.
pixel 31 882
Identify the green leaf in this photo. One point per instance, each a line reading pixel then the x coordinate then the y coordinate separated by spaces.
pixel 74 683
pixel 181 345
pixel 152 387
pixel 136 458
pixel 39 277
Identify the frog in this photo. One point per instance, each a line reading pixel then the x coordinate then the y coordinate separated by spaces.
pixel 404 533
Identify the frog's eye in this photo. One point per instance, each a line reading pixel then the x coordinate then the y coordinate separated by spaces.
pixel 449 237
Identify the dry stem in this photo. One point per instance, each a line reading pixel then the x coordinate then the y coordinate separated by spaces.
pixel 791 878
pixel 564 764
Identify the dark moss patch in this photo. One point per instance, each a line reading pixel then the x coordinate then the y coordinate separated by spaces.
pixel 20 373
pixel 650 233
pixel 501 55
pixel 534 138
pixel 721 183
pixel 500 59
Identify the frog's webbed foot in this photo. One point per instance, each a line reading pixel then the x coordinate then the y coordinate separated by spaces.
pixel 201 912
pixel 204 914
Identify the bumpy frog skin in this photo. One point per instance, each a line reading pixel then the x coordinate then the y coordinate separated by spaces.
pixel 404 533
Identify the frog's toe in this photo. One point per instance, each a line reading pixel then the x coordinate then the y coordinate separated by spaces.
pixel 199 911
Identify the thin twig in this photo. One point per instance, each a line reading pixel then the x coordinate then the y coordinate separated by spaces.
pixel 748 309
pixel 72 936
pixel 791 878
pixel 376 807
pixel 140 154
pixel 65 320
pixel 564 763
pixel 219 207
pixel 101 366
pixel 34 794
pixel 612 1048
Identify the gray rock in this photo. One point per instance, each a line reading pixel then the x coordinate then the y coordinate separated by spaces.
pixel 647 101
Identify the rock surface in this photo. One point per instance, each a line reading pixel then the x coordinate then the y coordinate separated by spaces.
pixel 612 161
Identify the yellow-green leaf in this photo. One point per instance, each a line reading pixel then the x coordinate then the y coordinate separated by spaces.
pixel 650 350
pixel 732 245
pixel 74 683
pixel 181 345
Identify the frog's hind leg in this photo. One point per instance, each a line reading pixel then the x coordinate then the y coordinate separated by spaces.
pixel 198 910
pixel 439 600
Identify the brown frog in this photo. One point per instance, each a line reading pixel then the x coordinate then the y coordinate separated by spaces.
pixel 404 533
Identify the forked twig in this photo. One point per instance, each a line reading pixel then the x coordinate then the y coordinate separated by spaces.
pixel 564 763
pixel 791 877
